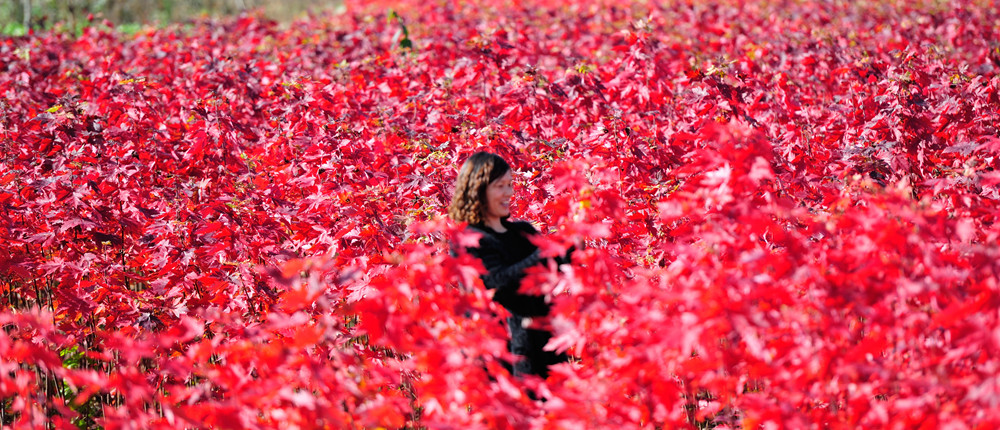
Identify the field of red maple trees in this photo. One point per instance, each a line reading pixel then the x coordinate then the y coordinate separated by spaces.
pixel 789 210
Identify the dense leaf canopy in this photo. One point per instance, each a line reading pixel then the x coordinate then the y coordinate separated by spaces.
pixel 788 210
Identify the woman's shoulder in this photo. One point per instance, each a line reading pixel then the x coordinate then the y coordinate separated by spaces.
pixel 517 225
pixel 490 235
pixel 520 225
pixel 486 234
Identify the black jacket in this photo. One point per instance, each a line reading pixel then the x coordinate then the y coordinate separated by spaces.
pixel 506 256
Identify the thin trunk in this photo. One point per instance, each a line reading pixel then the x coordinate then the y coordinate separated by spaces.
pixel 26 19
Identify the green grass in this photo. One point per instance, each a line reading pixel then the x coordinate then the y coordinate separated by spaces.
pixel 13 29
pixel 131 15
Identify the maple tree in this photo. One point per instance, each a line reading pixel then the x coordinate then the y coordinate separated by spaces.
pixel 789 211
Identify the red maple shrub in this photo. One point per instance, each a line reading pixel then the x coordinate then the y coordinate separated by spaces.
pixel 788 211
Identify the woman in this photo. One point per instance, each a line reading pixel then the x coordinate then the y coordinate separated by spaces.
pixel 482 199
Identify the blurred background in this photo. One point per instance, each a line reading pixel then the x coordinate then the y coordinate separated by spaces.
pixel 16 16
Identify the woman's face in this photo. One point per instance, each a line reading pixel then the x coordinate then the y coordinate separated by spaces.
pixel 498 194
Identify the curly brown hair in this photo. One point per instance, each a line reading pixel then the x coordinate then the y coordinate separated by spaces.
pixel 478 171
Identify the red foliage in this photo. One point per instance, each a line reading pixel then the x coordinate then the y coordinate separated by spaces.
pixel 789 217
